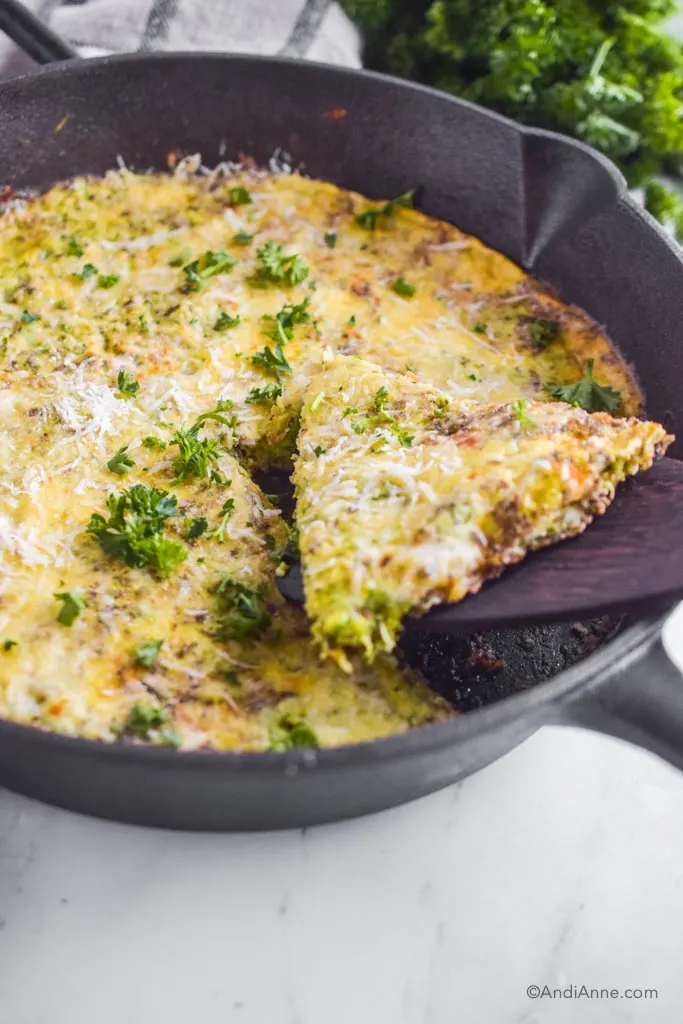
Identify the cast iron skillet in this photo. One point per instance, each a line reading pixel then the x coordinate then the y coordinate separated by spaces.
pixel 552 205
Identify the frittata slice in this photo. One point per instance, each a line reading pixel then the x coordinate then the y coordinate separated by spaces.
pixel 405 499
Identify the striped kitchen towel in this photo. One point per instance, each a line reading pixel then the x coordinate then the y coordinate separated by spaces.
pixel 313 29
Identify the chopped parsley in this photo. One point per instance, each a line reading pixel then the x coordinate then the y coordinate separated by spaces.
pixel 274 267
pixel 143 325
pixel 402 287
pixel 73 604
pixel 318 451
pixel 8 644
pixel 317 401
pixel 519 411
pixel 291 731
pixel 351 322
pixel 29 318
pixel 153 442
pixel 480 327
pixel 242 238
pixel 440 406
pixel 383 216
pixel 242 610
pixel 120 462
pixel 133 530
pixel 127 384
pixel 144 719
pixel 330 239
pixel 544 332
pixel 89 270
pixel 197 454
pixel 197 527
pixel 381 418
pixel 262 396
pixel 227 510
pixel 239 196
pixel 108 280
pixel 272 361
pixel 146 653
pixel 225 321
pixel 73 248
pixel 200 270
pixel 587 393
pixel 284 322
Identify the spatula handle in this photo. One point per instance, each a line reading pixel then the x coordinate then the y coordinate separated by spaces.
pixel 32 35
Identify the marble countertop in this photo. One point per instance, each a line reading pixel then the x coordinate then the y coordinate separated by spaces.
pixel 559 865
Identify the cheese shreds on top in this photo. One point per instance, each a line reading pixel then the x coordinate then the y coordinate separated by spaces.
pixel 406 499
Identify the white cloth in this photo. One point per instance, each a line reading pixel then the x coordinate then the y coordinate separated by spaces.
pixel 314 29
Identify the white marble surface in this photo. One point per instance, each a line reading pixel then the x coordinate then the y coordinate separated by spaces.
pixel 561 864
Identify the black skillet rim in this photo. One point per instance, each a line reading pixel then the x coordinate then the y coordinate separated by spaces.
pixel 592 669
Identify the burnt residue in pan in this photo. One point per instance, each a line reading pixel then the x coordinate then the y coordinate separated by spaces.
pixel 476 669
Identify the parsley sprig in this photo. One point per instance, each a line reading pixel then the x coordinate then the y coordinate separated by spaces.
pixel 198 455
pixel 291 731
pixel 242 610
pixel 272 361
pixel 263 396
pixel 133 530
pixel 281 326
pixel 73 604
pixel 379 417
pixel 587 393
pixel 383 216
pixel 208 265
pixel 276 267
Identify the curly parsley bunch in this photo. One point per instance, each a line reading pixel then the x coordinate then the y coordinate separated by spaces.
pixel 604 71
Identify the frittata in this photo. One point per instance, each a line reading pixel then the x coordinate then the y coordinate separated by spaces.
pixel 406 499
pixel 157 333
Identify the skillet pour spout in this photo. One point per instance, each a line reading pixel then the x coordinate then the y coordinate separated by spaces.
pixel 547 202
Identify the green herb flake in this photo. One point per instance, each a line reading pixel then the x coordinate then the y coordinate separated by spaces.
pixel 544 332
pixel 153 442
pixel 200 270
pixel 73 604
pixel 284 321
pixel 142 324
pixel 317 401
pixel 120 463
pixel 145 719
pixel 231 676
pixel 225 321
pixel 242 238
pixel 271 361
pixel 239 196
pixel 88 271
pixel 587 393
pixel 108 280
pixel 318 451
pixel 383 216
pixel 440 406
pixel 290 732
pixel 133 530
pixel 8 644
pixel 263 396
pixel 197 527
pixel 73 248
pixel 519 411
pixel 146 653
pixel 480 327
pixel 29 318
pixel 275 267
pixel 242 610
pixel 227 510
pixel 127 384
pixel 402 287
pixel 330 239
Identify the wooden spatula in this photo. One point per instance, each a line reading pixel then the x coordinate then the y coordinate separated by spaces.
pixel 629 558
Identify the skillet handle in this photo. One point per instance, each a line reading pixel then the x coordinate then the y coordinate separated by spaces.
pixel 31 34
pixel 642 702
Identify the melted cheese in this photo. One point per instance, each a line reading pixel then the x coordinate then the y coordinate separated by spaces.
pixel 93 283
